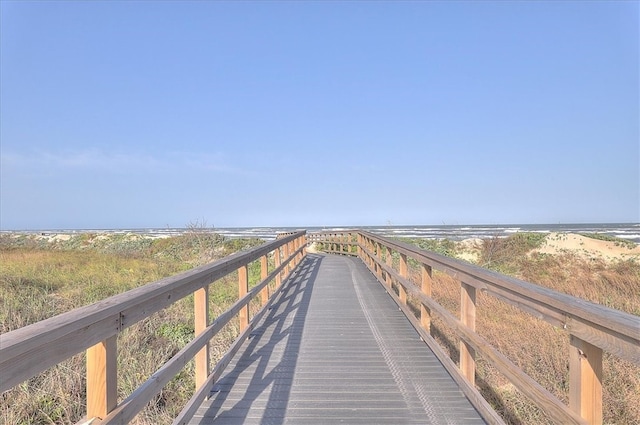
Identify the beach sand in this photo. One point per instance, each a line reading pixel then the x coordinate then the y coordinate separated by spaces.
pixel 588 248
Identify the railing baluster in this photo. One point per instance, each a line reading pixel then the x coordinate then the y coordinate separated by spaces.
pixel 468 318
pixel 389 261
pixel 372 256
pixel 243 288
pixel 285 255
pixel 264 272
pixel 425 313
pixel 402 293
pixel 585 380
pixel 201 315
pixel 276 260
pixel 102 378
pixel 379 260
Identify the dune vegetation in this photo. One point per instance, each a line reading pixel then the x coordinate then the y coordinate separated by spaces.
pixel 535 346
pixel 42 276
pixel 45 275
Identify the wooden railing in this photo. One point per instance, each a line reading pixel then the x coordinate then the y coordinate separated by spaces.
pixel 28 351
pixel 591 328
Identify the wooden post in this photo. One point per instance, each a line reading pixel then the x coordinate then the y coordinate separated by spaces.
pixel 371 254
pixel 365 253
pixel 264 272
pixel 243 288
pixel 285 255
pixel 276 260
pixel 365 247
pixel 359 250
pixel 402 293
pixel 389 261
pixel 201 314
pixel 468 318
pixel 379 261
pixel 292 253
pixel 425 313
pixel 305 241
pixel 374 256
pixel 102 378
pixel 585 380
pixel 294 248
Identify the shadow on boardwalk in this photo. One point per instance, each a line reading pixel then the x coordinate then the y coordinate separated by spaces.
pixel 335 348
pixel 268 364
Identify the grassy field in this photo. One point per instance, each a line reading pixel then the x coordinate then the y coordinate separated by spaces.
pixel 535 346
pixel 41 277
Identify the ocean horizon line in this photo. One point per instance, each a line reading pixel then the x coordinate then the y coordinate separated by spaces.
pixel 315 226
pixel 628 231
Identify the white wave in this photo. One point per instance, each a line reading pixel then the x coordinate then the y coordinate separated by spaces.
pixel 629 236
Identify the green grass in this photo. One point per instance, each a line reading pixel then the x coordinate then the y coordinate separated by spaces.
pixel 441 246
pixel 40 279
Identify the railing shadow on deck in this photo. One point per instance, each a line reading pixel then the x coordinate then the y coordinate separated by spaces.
pixel 287 318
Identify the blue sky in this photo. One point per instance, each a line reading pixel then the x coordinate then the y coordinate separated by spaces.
pixel 154 114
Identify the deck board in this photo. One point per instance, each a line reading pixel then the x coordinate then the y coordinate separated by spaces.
pixel 335 349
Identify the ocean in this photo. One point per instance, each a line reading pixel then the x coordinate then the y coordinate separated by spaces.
pixel 628 231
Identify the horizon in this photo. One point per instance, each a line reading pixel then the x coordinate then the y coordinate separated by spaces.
pixel 213 228
pixel 278 114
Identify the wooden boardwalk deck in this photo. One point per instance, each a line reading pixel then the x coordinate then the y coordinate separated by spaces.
pixel 335 349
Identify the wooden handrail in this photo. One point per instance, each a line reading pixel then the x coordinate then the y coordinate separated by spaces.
pixel 592 328
pixel 32 349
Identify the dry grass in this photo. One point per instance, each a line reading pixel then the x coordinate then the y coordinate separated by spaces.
pixel 39 280
pixel 538 348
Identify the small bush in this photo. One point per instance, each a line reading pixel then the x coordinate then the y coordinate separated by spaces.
pixel 504 254
pixel 441 246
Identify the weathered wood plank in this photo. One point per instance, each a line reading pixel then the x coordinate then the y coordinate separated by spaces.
pixel 468 319
pixel 102 378
pixel 585 385
pixel 201 321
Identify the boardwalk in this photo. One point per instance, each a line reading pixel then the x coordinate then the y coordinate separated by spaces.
pixel 335 349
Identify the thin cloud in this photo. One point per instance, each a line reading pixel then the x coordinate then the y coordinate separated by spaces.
pixel 118 161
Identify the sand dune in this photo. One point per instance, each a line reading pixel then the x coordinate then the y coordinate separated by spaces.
pixel 586 247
